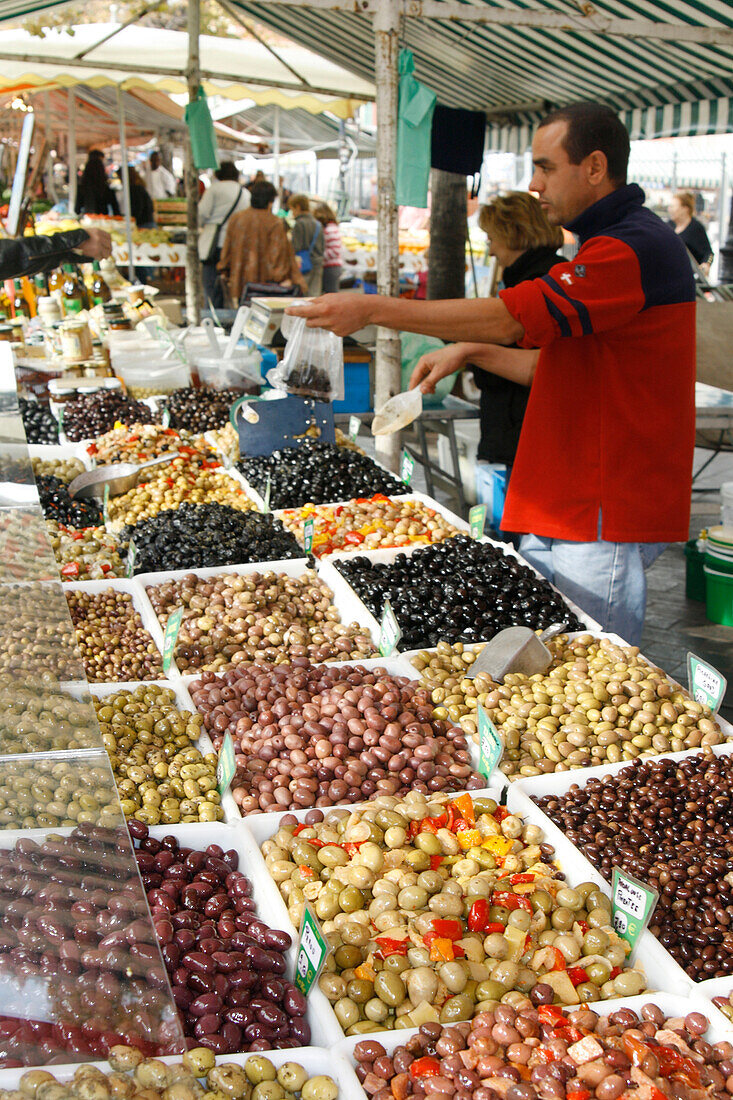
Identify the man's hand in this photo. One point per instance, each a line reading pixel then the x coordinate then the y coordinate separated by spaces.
pixel 435 365
pixel 340 313
pixel 97 246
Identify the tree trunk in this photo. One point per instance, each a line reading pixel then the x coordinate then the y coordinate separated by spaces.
pixel 447 255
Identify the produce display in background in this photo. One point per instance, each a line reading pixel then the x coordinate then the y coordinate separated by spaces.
pixel 63 469
pixel 140 442
pixel 628 1053
pixel 114 644
pixel 161 776
pixel 39 422
pixel 370 523
pixel 86 554
pixel 92 414
pixel 38 715
pixel 267 617
pixel 34 623
pixel 458 591
pixel 192 479
pixel 226 966
pixel 598 703
pixel 432 906
pixel 101 995
pixel 24 551
pixel 200 410
pixel 316 473
pixel 668 822
pixel 317 735
pixel 196 536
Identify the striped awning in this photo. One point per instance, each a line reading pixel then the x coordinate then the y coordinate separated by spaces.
pixel 662 87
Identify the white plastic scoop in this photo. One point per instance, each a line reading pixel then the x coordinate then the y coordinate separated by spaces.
pixel 516 649
pixel 397 413
pixel 208 326
pixel 242 314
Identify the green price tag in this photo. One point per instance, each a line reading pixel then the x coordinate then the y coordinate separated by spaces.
pixel 312 952
pixel 389 631
pixel 266 497
pixel 407 466
pixel 131 556
pixel 354 427
pixel 171 636
pixel 707 685
pixel 477 519
pixel 308 534
pixel 633 905
pixel 491 748
pixel 226 765
pixel 105 505
pixel 61 418
pixel 166 418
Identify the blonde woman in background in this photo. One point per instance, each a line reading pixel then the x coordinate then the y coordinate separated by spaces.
pixel 333 249
pixel 691 232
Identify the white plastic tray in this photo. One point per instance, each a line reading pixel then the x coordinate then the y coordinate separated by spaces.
pixel 140 604
pixel 325 1029
pixel 335 580
pixel 59 452
pixel 521 799
pixel 346 604
pixel 671 1004
pixel 314 1059
pixel 183 702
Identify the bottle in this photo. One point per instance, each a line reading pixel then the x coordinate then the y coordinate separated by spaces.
pixel 56 285
pixel 20 304
pixel 39 285
pixel 73 295
pixel 100 291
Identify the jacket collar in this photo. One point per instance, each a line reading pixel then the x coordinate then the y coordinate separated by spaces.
pixel 530 261
pixel 606 212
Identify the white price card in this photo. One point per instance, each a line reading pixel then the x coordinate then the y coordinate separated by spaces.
pixel 389 631
pixel 707 685
pixel 633 905
pixel 491 746
pixel 312 952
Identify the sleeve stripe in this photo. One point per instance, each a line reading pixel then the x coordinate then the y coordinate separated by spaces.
pixel 562 321
pixel 579 307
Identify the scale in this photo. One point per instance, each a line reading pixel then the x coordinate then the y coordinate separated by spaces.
pixel 264 319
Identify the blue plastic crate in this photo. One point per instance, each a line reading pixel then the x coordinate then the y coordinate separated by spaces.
pixel 357 397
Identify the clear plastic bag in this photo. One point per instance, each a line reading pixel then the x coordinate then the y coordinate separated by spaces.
pixel 313 363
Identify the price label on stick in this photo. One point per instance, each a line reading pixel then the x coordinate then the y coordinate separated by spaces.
pixel 166 418
pixel 389 631
pixel 171 637
pixel 266 497
pixel 131 556
pixel 491 748
pixel 633 905
pixel 407 466
pixel 354 427
pixel 308 534
pixel 312 952
pixel 477 519
pixel 707 685
pixel 61 418
pixel 105 505
pixel 226 765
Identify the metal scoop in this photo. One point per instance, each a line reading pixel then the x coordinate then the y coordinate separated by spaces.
pixel 516 649
pixel 121 476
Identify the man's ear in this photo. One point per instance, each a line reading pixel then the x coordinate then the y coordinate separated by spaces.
pixel 596 165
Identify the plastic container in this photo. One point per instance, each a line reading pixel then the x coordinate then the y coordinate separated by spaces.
pixel 726 503
pixel 491 485
pixel 357 392
pixel 719 595
pixel 152 374
pixel 241 372
pixel 694 571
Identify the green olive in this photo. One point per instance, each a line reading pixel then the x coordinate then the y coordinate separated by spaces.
pixel 360 990
pixel 259 1069
pixel 390 988
pixel 347 957
pixel 351 899
pixel 595 941
pixel 292 1076
pixel 347 1013
pixel 457 1008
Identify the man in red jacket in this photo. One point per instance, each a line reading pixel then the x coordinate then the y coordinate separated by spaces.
pixel 603 473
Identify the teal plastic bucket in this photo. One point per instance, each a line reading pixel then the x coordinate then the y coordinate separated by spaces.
pixel 719 596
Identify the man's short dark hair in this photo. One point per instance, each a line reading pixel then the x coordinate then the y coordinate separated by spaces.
pixel 594 126
pixel 263 193
pixel 227 170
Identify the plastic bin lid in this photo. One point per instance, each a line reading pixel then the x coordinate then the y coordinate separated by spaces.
pixel 722 536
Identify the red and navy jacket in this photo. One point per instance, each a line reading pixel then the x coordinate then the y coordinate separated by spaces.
pixel 610 426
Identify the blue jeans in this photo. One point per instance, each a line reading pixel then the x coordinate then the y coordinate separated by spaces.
pixel 606 579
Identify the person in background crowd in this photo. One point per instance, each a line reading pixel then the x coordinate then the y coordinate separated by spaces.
pixel 141 204
pixel 603 472
pixel 224 197
pixel 258 177
pixel 94 194
pixel 525 245
pixel 285 194
pixel 256 247
pixel 308 243
pixel 28 255
pixel 333 249
pixel 691 232
pixel 162 183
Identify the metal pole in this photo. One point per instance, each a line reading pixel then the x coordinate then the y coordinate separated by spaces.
pixel 721 209
pixel 72 151
pixel 48 131
pixel 193 266
pixel 388 379
pixel 276 151
pixel 125 183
